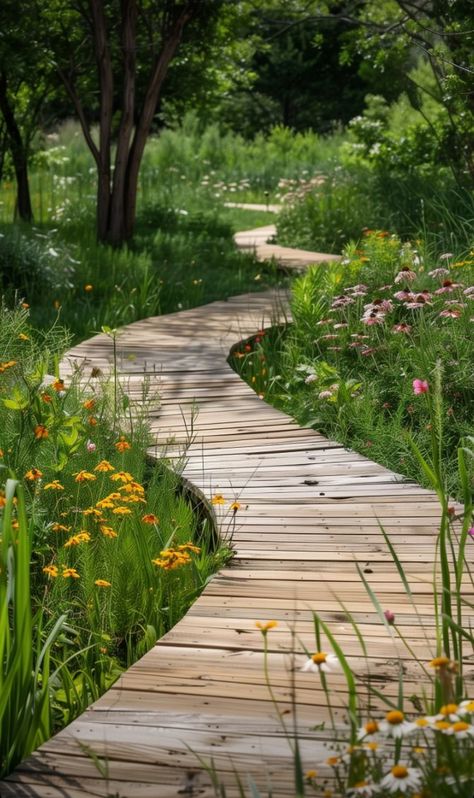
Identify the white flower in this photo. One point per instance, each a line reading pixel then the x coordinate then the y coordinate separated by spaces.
pixel 90 446
pixel 363 789
pixel 310 378
pixel 368 731
pixel 401 779
pixel 460 730
pixel 395 725
pixel 325 395
pixel 467 707
pixel 446 256
pixel 321 662
pixel 448 712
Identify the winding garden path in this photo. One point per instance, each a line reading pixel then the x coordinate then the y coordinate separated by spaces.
pixel 310 511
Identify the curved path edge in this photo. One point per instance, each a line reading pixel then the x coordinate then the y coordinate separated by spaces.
pixel 310 510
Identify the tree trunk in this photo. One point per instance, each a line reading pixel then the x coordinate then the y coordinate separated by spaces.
pixel 19 155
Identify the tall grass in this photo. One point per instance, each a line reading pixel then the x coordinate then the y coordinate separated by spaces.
pixel 26 644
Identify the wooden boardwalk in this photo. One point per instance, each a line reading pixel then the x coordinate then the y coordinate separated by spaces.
pixel 310 511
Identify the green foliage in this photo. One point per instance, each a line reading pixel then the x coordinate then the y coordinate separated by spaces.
pixel 350 373
pixel 98 536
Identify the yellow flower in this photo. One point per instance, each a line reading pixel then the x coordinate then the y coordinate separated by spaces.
pixel 60 528
pixel 24 337
pixel 311 774
pixel 54 485
pixel 84 476
pixel 33 474
pixel 217 499
pixel 51 570
pixel 235 506
pixel 103 466
pixel 75 540
pixel 122 511
pixel 88 288
pixel 149 518
pixel 122 476
pixel 92 511
pixel 108 532
pixel 265 627
pixel 70 573
pixel 105 504
pixel 122 445
pixel 189 547
pixel 102 583
pixel 132 487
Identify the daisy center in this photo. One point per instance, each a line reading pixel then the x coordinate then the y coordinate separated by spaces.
pixel 371 727
pixel 319 658
pixel 395 717
pixel 449 709
pixel 399 772
pixel 460 726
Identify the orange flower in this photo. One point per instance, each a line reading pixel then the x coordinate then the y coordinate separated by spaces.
pixel 108 532
pixel 51 570
pixel 58 385
pixel 54 485
pixel 75 540
pixel 25 305
pixel 89 404
pixel 84 476
pixel 60 528
pixel 92 421
pixel 149 518
pixel 46 398
pixel 41 432
pixel 70 573
pixel 33 474
pixel 122 445
pixel 102 583
pixel 104 465
pixel 92 511
pixel 122 476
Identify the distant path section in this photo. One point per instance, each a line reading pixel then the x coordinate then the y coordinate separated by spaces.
pixel 309 511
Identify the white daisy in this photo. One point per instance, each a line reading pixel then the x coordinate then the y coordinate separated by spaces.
pixel 320 661
pixel 368 731
pixel 401 779
pixel 395 725
pixel 448 712
pixel 466 707
pixel 363 789
pixel 460 730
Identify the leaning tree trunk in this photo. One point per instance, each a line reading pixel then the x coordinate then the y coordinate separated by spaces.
pixel 19 154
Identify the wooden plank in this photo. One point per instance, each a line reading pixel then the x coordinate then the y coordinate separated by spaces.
pixel 311 509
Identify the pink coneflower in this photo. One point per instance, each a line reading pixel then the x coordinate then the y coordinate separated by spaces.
pixel 357 290
pixel 341 325
pixel 373 318
pixel 329 337
pixel 405 275
pixel 446 256
pixel 402 328
pixel 403 295
pixel 439 272
pixel 448 287
pixel 420 386
pixel 469 291
pixel 325 395
pixel 368 351
pixel 342 301
pixel 450 313
pixel 324 321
